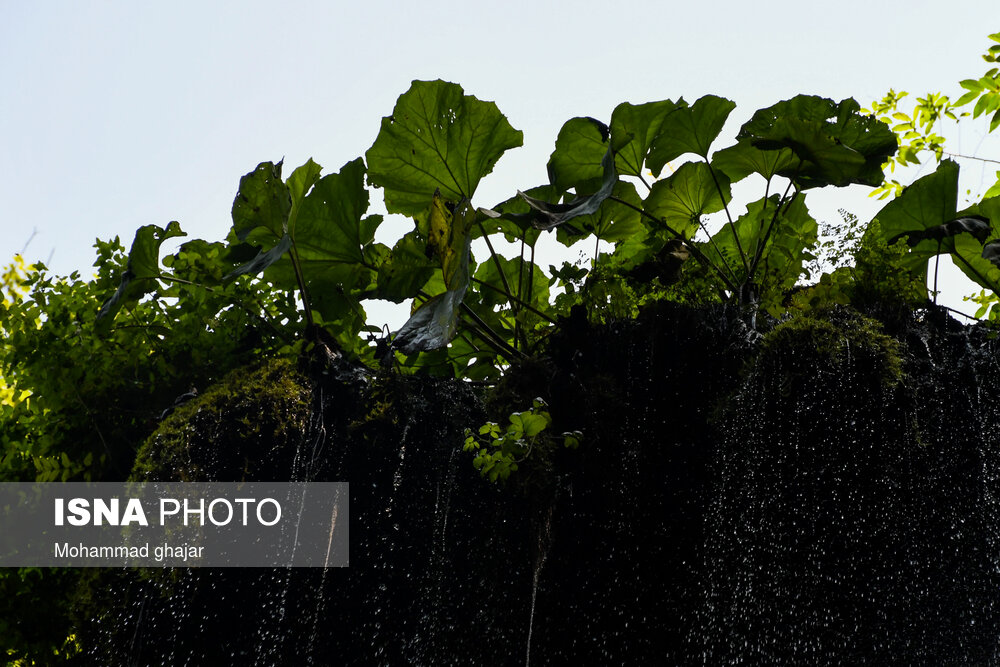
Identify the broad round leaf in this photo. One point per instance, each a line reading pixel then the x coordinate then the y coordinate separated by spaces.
pixel 437 138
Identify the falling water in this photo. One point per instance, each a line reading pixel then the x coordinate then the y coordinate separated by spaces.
pixel 727 506
pixel 544 544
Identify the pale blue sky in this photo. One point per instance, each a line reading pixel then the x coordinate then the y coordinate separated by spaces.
pixel 119 114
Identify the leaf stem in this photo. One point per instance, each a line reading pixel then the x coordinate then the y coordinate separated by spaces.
pixel 497 342
pixel 770 228
pixel 496 262
pixel 729 217
pixel 522 303
pixel 297 265
pixel 937 263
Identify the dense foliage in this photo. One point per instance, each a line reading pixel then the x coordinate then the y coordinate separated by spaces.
pixel 89 366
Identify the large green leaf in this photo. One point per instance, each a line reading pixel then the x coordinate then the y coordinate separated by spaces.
pixel 980 260
pixel 633 130
pixel 681 199
pixel 689 130
pixel 141 272
pixel 578 159
pixel 836 144
pixel 299 183
pixel 260 214
pixel 331 226
pixel 967 253
pixel 516 275
pixel 324 226
pixel 787 249
pixel 437 138
pixel 334 243
pixel 262 201
pixel 929 202
pixel 743 158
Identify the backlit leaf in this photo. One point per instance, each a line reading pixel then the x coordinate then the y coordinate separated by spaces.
pixel 689 130
pixel 578 159
pixel 837 145
pixel 437 138
pixel 633 129
pixel 687 194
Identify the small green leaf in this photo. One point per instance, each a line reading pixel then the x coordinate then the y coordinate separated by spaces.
pixel 141 272
pixel 533 424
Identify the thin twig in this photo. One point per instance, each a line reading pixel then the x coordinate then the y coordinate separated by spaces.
pixel 970 157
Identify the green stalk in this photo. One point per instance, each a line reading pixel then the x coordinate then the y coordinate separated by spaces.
pixel 729 217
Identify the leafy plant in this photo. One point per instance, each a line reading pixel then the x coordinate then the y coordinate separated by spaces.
pixel 499 452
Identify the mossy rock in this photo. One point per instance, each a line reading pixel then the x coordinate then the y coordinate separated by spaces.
pixel 835 340
pixel 244 428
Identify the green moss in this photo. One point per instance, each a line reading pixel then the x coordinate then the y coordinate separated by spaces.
pixel 235 430
pixel 832 339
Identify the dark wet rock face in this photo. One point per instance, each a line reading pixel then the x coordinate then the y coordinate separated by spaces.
pixel 823 495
